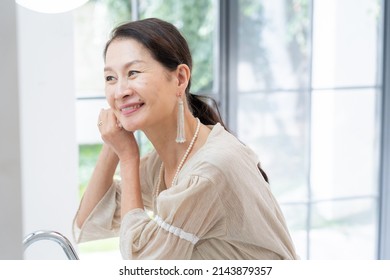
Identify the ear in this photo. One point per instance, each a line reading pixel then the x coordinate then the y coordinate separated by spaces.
pixel 183 74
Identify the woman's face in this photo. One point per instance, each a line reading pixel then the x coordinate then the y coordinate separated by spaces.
pixel 140 91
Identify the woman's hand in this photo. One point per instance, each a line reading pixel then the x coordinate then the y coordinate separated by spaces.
pixel 122 142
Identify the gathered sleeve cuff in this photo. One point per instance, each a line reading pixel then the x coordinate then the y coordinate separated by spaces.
pixel 185 214
pixel 104 220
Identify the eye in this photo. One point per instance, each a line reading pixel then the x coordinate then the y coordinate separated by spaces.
pixel 133 73
pixel 109 78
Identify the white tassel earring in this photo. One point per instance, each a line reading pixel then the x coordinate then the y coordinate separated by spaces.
pixel 180 138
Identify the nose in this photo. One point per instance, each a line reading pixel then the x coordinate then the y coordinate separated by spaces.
pixel 123 89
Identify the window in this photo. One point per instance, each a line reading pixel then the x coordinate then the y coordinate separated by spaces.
pixel 307 96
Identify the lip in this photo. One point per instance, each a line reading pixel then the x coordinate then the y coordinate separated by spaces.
pixel 130 108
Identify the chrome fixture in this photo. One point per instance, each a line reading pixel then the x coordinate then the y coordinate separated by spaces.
pixel 54 236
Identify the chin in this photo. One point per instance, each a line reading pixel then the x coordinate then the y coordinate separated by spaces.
pixel 130 125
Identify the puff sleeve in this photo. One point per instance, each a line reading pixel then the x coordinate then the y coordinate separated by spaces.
pixel 105 219
pixel 185 214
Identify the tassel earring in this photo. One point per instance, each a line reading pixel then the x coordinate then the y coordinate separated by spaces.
pixel 180 138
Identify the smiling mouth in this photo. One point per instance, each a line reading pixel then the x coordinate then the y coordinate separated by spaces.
pixel 131 108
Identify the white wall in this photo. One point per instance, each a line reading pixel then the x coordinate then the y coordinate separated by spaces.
pixel 10 166
pixel 47 113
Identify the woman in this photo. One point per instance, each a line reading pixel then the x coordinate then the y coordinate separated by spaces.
pixel 208 197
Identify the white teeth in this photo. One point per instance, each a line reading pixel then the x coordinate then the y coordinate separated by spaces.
pixel 131 107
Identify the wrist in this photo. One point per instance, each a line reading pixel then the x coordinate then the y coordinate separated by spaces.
pixel 130 161
pixel 108 153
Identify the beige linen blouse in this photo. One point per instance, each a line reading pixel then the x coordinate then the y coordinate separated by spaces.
pixel 220 208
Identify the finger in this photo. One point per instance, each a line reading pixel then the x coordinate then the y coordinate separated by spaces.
pixel 100 120
pixel 113 120
pixel 118 123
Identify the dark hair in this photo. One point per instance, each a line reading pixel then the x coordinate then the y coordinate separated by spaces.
pixel 166 44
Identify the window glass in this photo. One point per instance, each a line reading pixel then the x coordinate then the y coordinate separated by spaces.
pixel 344 142
pixel 344 229
pixel 315 145
pixel 346 41
pixel 87 113
pixel 273 45
pixel 275 126
pixel 197 21
pixel 296 218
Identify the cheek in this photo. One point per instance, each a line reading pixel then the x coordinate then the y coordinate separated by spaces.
pixel 140 85
pixel 110 97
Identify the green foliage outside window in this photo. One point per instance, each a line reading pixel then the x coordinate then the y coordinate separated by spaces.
pixel 88 155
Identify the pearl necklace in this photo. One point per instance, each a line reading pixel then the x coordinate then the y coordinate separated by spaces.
pixel 181 162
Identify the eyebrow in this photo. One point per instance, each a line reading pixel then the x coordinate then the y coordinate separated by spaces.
pixel 127 65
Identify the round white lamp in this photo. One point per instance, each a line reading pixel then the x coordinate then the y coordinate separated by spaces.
pixel 51 6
